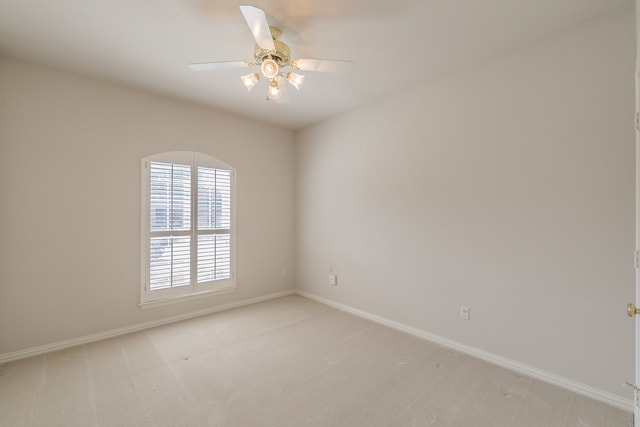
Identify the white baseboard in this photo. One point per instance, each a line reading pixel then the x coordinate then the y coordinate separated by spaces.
pixel 566 383
pixel 47 348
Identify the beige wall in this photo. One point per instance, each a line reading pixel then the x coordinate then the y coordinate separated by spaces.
pixel 507 187
pixel 70 151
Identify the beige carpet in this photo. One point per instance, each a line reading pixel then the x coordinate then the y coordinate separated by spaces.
pixel 286 362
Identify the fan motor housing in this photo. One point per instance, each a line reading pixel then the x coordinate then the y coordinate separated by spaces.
pixel 282 55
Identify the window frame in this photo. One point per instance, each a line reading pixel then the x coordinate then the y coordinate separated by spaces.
pixel 158 297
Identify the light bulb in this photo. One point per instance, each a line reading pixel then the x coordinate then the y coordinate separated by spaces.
pixel 269 68
pixel 296 80
pixel 250 80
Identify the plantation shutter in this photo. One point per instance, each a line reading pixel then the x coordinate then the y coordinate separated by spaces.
pixel 170 225
pixel 214 224
pixel 187 225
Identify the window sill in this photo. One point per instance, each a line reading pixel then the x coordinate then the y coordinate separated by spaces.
pixel 184 298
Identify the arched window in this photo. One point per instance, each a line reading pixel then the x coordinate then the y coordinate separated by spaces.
pixel 187 226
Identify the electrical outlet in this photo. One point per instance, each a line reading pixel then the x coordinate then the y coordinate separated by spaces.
pixel 333 279
pixel 464 312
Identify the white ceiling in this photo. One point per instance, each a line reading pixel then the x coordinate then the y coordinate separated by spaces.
pixel 395 44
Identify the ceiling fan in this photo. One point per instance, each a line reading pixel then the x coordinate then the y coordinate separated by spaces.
pixel 272 56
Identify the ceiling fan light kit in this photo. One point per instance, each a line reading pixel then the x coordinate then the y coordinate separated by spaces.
pixel 272 56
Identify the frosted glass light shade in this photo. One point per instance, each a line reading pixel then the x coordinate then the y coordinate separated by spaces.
pixel 250 80
pixel 274 91
pixel 296 80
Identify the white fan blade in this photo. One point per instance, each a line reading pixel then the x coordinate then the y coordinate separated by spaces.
pixel 204 66
pixel 257 21
pixel 322 65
